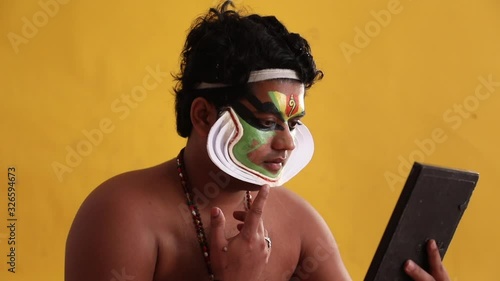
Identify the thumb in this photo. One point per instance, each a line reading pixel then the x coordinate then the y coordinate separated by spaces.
pixel 217 239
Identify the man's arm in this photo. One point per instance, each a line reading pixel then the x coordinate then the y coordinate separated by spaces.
pixel 109 239
pixel 320 258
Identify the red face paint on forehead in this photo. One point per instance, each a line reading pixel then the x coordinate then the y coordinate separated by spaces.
pixel 292 105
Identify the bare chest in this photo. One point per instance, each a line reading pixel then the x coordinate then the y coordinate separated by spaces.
pixel 180 257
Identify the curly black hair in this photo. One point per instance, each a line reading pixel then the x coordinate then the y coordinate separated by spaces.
pixel 224 46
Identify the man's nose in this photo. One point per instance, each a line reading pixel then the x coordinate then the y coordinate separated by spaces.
pixel 284 140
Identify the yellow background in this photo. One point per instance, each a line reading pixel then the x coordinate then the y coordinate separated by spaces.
pixel 366 115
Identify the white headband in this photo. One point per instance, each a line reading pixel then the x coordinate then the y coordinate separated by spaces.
pixel 256 76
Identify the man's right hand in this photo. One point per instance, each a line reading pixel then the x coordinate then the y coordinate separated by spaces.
pixel 244 256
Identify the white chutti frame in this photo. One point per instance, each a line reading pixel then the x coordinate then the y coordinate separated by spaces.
pixel 225 133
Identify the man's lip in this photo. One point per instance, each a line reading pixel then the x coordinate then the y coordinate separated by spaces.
pixel 273 167
pixel 276 160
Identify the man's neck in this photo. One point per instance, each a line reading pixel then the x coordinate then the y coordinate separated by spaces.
pixel 210 185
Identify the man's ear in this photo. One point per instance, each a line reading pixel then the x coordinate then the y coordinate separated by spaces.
pixel 203 116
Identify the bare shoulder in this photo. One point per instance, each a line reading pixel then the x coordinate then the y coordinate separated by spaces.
pixel 293 206
pixel 133 195
pixel 300 214
pixel 319 254
pixel 114 229
pixel 132 188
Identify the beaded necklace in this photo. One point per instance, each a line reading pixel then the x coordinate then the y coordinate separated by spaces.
pixel 198 224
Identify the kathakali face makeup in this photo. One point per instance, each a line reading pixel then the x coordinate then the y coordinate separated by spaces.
pixel 260 138
pixel 269 118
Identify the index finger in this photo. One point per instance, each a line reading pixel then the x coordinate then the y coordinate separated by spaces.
pixel 254 215
pixel 437 268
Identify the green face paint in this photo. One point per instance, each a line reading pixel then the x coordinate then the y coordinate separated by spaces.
pixel 251 140
pixel 255 135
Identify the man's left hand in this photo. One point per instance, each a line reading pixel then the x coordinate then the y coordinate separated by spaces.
pixel 437 270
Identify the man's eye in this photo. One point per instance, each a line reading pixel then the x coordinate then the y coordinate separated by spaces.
pixel 293 123
pixel 268 123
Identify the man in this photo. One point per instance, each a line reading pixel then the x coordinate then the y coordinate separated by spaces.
pixel 240 99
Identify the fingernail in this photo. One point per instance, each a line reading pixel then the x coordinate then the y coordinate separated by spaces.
pixel 410 265
pixel 215 212
pixel 433 244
